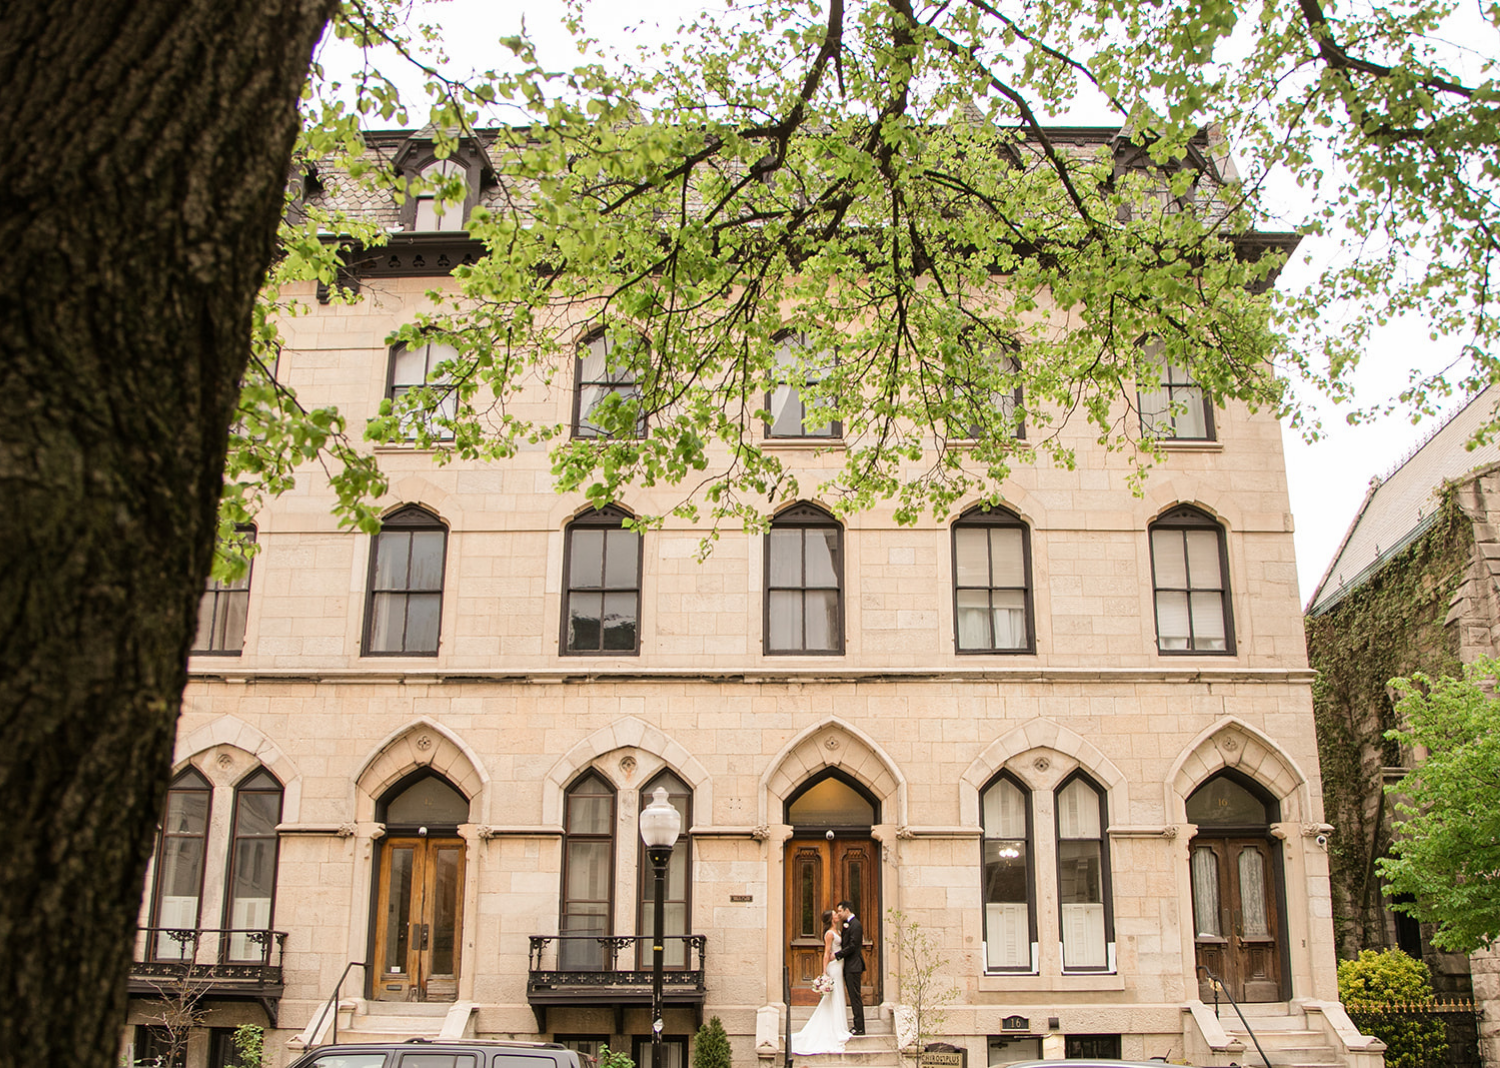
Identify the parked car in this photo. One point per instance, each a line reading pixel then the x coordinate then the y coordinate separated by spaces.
pixel 439 1053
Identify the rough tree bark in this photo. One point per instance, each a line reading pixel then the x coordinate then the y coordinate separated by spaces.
pixel 144 149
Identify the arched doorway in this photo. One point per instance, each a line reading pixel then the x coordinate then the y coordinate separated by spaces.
pixel 830 857
pixel 1238 901
pixel 419 891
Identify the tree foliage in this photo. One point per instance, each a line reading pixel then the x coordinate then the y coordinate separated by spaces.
pixel 1447 844
pixel 877 177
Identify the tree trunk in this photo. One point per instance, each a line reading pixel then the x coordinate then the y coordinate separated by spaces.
pixel 145 149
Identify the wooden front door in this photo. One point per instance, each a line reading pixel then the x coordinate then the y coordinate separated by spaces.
pixel 1236 924
pixel 419 919
pixel 819 874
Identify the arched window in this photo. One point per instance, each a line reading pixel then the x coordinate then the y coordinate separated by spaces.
pixel 791 417
pixel 804 583
pixel 434 214
pixel 1171 404
pixel 992 583
pixel 405 600
pixel 415 367
pixel 588 873
pixel 179 867
pixel 1008 877
pixel 223 610
pixel 1190 575
pixel 249 903
pixel 605 380
pixel 678 897
pixel 602 601
pixel 1086 914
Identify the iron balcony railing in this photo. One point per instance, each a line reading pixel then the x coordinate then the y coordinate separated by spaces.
pixel 230 955
pixel 584 962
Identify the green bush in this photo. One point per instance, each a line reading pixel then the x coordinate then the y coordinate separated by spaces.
pixel 613 1058
pixel 1379 989
pixel 711 1046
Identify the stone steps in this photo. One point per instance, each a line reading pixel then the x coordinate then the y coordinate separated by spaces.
pixel 876 1048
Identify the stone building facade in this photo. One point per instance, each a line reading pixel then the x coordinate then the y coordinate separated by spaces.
pixel 426 752
pixel 1414 586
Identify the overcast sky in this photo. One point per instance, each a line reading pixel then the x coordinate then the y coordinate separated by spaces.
pixel 1327 480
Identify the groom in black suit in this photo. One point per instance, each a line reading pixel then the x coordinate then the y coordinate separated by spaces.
pixel 853 955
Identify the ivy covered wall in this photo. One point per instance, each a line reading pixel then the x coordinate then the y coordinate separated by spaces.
pixel 1392 625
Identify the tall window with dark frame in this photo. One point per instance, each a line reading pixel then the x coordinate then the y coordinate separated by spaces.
pixel 992 583
pixel 181 846
pixel 405 601
pixel 1085 914
pixel 249 903
pixel 588 873
pixel 602 607
pixel 804 583
pixel 415 367
pixel 1008 878
pixel 975 400
pixel 1172 405
pixel 676 901
pixel 602 373
pixel 791 416
pixel 223 611
pixel 1190 574
pixel 432 215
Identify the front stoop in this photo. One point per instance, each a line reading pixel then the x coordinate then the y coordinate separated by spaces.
pixel 876 1048
pixel 1285 1036
pixel 395 1021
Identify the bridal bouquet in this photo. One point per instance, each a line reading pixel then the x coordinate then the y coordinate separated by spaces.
pixel 823 984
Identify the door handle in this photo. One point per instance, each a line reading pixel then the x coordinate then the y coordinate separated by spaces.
pixel 426 933
pixel 419 935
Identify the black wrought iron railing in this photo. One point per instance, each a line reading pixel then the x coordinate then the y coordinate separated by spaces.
pixel 592 961
pixel 232 954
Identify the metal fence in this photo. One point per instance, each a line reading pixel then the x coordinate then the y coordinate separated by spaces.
pixel 1409 1026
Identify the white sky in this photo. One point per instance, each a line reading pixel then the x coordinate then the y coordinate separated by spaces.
pixel 1327 480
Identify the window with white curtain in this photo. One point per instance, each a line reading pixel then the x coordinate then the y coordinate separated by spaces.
pixel 1009 924
pixel 1190 573
pixel 1171 404
pixel 804 583
pixel 252 866
pixel 605 378
pixel 1083 875
pixel 423 367
pixel 791 415
pixel 992 583
pixel 588 873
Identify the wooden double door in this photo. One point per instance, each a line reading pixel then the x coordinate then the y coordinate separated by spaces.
pixel 418 919
pixel 819 874
pixel 1236 917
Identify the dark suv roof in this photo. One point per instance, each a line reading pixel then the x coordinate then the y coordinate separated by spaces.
pixel 423 1053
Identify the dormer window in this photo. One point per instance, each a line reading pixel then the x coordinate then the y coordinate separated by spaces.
pixel 435 213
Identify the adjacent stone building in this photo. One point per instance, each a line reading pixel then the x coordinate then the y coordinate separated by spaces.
pixel 1072 738
pixel 1414 586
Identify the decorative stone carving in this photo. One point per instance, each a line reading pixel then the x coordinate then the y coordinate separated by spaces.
pixel 1312 830
pixel 423 743
pixel 905 833
pixel 1229 743
pixel 832 744
pixel 627 764
pixel 760 833
pixel 225 761
pixel 346 830
pixel 1169 832
pixel 485 832
pixel 1041 763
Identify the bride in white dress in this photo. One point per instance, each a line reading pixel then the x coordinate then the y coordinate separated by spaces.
pixel 825 1031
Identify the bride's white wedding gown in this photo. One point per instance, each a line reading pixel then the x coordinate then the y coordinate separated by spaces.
pixel 825 1031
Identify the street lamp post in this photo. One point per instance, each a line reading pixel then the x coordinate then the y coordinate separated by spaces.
pixel 660 825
